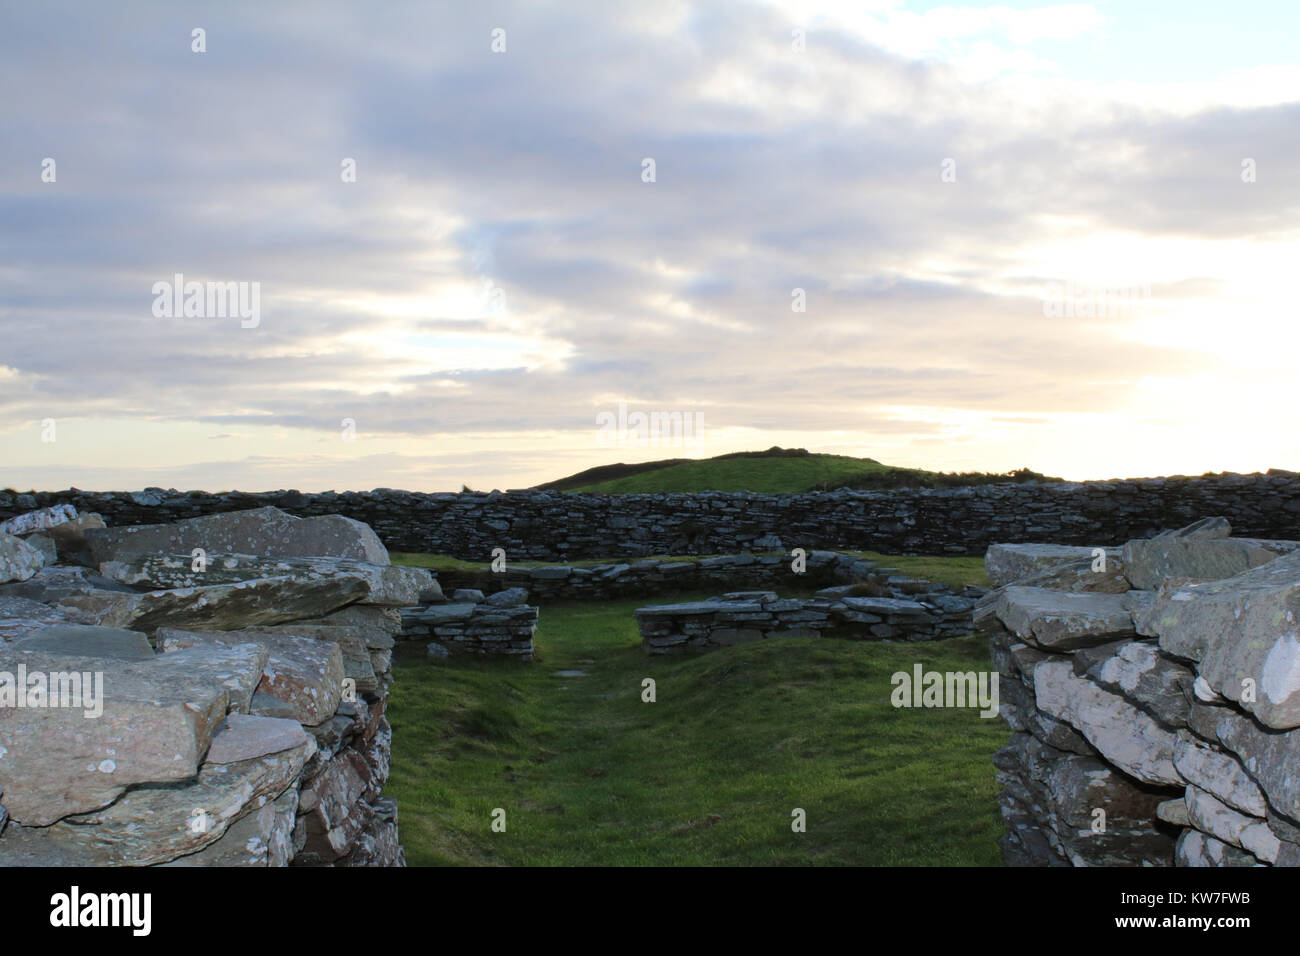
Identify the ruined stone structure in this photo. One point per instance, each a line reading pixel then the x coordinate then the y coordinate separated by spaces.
pixel 206 693
pixel 1154 699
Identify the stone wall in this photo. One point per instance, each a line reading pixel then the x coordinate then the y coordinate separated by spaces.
pixel 834 612
pixel 548 526
pixel 1154 701
pixel 470 623
pixel 596 582
pixel 228 704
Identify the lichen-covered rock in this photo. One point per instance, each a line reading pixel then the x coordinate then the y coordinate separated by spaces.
pixel 18 559
pixel 268 532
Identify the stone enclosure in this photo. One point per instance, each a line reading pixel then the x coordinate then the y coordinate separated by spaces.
pixel 557 526
pixel 245 655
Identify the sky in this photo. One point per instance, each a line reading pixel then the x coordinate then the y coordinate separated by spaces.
pixel 477 242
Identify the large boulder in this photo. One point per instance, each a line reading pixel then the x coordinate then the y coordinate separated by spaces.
pixel 268 532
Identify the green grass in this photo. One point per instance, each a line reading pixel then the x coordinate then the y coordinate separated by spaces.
pixel 761 475
pixel 956 572
pixel 588 774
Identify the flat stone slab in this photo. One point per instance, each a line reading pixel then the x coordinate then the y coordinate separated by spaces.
pixel 84 640
pixel 260 531
pixel 1008 563
pixel 218 606
pixel 243 737
pixel 1065 620
pixel 20 616
pixel 885 607
pixel 389 585
pixel 699 607
pixel 142 722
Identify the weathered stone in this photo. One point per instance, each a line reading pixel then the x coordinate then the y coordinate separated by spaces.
pixel 1218 774
pixel 1174 811
pixel 39 520
pixel 218 606
pixel 155 721
pixel 20 616
pixel 261 531
pixel 1145 678
pixel 243 737
pixel 509 597
pixel 1009 563
pixel 1240 628
pixel 262 838
pixel 50 585
pixel 1195 848
pixel 1222 822
pixel 1149 563
pixel 153 824
pixel 388 585
pixel 18 559
pixel 1063 620
pixel 70 538
pixel 358 662
pixel 1270 757
pixel 1125 735
pixel 83 640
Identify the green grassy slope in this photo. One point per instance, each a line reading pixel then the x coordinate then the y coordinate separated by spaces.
pixel 588 774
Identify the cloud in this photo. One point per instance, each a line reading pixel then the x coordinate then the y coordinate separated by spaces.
pixel 521 172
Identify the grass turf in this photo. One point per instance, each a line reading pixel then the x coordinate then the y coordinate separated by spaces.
pixel 709 774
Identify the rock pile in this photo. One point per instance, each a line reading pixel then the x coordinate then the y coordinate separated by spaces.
pixel 1155 700
pixel 470 623
pixel 834 612
pixel 210 692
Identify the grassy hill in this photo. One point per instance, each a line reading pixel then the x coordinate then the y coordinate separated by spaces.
pixel 775 471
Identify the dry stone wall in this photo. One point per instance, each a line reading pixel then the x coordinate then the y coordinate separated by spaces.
pixel 551 526
pixel 1154 699
pixel 753 615
pixel 652 576
pixel 205 693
